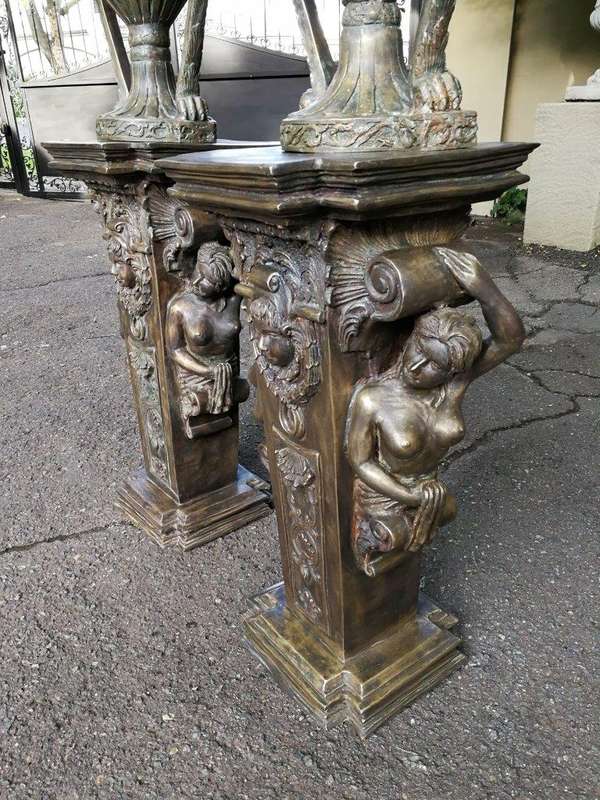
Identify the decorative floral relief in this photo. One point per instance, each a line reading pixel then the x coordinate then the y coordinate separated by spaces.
pixel 153 130
pixel 145 377
pixel 397 132
pixel 300 479
pixel 284 285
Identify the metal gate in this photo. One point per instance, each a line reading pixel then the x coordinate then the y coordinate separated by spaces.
pixel 15 171
pixel 44 41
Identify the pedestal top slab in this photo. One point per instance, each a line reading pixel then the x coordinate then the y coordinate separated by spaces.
pixel 119 158
pixel 265 182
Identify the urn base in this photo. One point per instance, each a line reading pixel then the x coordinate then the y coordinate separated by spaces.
pixel 366 689
pixel 198 521
pixel 301 133
pixel 115 128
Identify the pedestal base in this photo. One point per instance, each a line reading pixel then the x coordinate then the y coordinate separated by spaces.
pixel 198 521
pixel 368 688
pixel 588 93
pixel 113 127
pixel 563 206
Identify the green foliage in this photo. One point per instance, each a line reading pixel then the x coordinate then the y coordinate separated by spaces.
pixel 29 159
pixel 5 165
pixel 511 206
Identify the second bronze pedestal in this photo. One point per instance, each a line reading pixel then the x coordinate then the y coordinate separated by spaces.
pixel 179 318
pixel 367 688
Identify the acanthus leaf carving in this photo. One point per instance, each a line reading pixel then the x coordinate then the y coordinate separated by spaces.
pixel 180 228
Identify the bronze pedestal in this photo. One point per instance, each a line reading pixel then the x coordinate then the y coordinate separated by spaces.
pixel 180 323
pixel 354 273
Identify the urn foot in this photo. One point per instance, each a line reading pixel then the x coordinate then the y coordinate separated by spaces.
pixel 198 521
pixel 301 133
pixel 368 688
pixel 115 128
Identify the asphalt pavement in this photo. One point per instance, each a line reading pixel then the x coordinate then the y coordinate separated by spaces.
pixel 123 671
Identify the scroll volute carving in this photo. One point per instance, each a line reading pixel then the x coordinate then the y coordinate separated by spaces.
pixel 180 228
pixel 403 421
pixel 389 272
pixel 202 335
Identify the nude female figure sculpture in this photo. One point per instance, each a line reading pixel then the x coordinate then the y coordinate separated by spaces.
pixel 202 330
pixel 404 422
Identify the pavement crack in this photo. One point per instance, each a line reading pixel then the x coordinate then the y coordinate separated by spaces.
pixel 533 376
pixel 63 537
pixel 549 305
pixel 525 423
pixel 51 283
pixel 561 371
pixel 586 279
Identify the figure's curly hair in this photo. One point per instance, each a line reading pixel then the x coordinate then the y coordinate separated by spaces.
pixel 450 338
pixel 214 265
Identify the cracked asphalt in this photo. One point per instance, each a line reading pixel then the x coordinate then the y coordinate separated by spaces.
pixel 123 673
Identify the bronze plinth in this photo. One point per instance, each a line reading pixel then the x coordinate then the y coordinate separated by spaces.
pixel 355 279
pixel 180 323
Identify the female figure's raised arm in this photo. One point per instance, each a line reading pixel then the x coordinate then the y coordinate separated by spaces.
pixel 506 327
pixel 362 452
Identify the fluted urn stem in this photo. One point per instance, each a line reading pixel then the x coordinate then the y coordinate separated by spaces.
pixel 152 91
pixel 150 112
pixel 371 104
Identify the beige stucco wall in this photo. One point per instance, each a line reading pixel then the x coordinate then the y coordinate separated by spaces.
pixel 553 47
pixel 563 209
pixel 512 55
pixel 478 53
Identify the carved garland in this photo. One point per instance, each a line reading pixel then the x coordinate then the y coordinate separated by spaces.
pixel 286 297
pixel 143 365
pixel 299 472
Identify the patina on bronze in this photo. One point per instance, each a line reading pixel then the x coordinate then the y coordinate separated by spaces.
pixel 355 276
pixel 375 101
pixel 180 324
pixel 156 108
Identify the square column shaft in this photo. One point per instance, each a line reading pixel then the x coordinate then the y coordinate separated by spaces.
pixel 563 206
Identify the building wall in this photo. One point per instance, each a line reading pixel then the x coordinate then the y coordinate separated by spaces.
pixel 479 54
pixel 554 47
pixel 512 55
